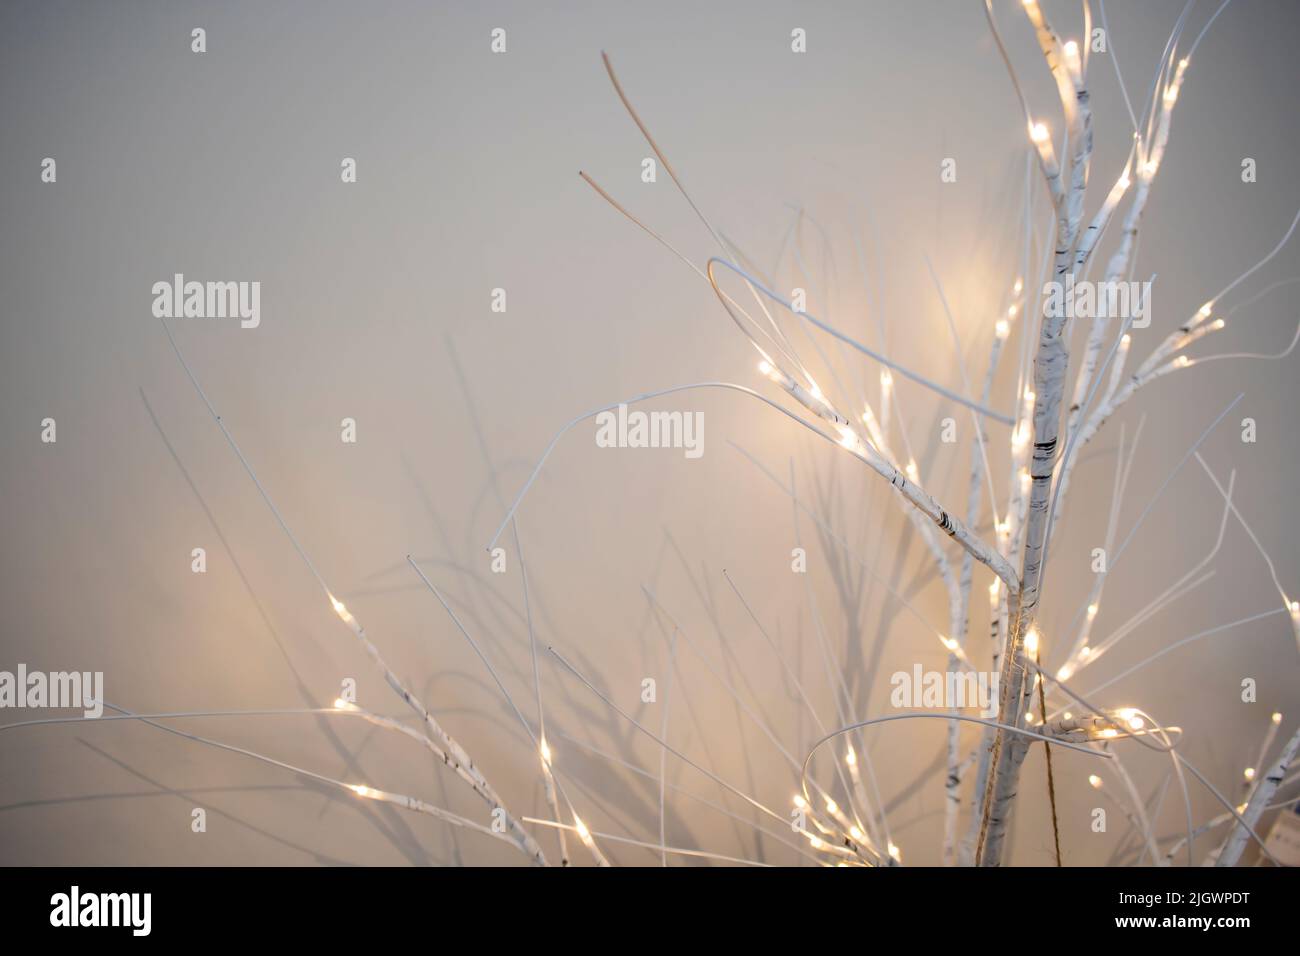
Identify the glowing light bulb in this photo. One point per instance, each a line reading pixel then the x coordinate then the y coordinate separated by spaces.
pixel 1171 96
pixel 1136 723
pixel 847 437
pixel 1204 311
pixel 765 367
pixel 1249 773
pixel 1124 181
pixel 995 587
pixel 341 704
pixel 896 853
pixel 545 750
pixel 583 833
pixel 1031 642
pixel 850 757
pixel 1124 342
pixel 1095 781
pixel 856 834
pixel 1110 732
pixel 800 802
pixel 1071 48
pixel 1065 672
pixel 1038 133
pixel 1018 286
pixel 1277 718
pixel 816 392
pixel 361 790
pixel 831 806
pixel 1002 329
pixel 1012 311
pixel 1029 719
pixel 886 379
pixel 1085 652
pixel 949 642
pixel 1151 167
pixel 911 471
pixel 1182 361
pixel 1218 324
pixel 815 842
pixel 1030 395
pixel 1092 610
pixel 1067 715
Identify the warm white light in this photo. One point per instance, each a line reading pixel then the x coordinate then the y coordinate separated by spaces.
pixel 850 757
pixel 1038 133
pixel 949 642
pixel 583 833
pixel 1071 48
pixel 856 834
pixel 896 853
pixel 911 471
pixel 1002 329
pixel 799 801
pixel 1095 781
pixel 341 704
pixel 1065 672
pixel 765 367
pixel 361 790
pixel 1018 286
pixel 1110 732
pixel 886 379
pixel 1031 642
pixel 1250 773
pixel 1277 718
pixel 1205 310
pixel 545 750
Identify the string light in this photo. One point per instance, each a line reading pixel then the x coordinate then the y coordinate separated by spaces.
pixel 1031 642
pixel 1095 781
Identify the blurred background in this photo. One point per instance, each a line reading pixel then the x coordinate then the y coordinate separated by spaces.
pixel 376 306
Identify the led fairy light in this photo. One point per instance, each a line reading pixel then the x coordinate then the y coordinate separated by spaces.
pixel 452 754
